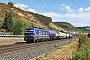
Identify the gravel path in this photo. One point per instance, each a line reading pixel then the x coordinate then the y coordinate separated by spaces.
pixel 27 54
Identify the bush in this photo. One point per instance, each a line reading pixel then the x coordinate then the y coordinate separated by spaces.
pixel 83 39
pixel 37 58
pixel 19 26
pixel 10 4
pixel 82 54
pixel 11 33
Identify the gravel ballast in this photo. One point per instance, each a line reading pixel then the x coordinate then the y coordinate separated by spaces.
pixel 27 54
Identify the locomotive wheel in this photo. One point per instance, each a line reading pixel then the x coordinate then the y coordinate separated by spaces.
pixel 28 41
pixel 44 40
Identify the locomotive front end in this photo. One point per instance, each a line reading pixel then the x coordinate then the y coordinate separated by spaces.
pixel 29 35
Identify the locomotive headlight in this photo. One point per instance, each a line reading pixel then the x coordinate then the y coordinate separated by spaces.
pixel 31 30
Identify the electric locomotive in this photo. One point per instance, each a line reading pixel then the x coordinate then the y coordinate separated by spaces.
pixel 36 34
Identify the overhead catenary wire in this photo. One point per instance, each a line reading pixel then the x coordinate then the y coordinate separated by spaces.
pixel 29 5
pixel 43 5
pixel 40 3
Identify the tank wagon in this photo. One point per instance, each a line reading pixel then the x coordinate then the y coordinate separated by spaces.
pixel 39 34
pixel 62 35
pixel 52 34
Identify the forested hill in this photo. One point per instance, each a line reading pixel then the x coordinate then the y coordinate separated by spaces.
pixel 67 26
pixel 44 19
pixel 85 29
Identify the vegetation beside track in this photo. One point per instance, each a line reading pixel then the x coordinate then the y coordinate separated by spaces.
pixel 83 52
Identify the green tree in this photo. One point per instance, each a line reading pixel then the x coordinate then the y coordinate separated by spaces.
pixel 17 29
pixel 8 22
pixel 10 4
pixel 44 19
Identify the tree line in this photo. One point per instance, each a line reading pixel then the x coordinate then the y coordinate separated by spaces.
pixel 66 26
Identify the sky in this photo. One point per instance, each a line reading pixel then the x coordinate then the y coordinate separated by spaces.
pixel 76 12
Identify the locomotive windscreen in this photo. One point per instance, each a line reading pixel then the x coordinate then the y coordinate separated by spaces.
pixel 29 31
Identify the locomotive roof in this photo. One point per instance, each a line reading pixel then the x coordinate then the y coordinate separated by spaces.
pixel 35 28
pixel 31 28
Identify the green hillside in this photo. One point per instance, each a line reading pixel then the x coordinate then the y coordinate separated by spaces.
pixel 85 29
pixel 67 26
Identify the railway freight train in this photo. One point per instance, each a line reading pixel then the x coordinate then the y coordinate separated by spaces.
pixel 39 34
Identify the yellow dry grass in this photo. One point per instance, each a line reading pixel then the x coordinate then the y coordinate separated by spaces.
pixel 8 41
pixel 60 53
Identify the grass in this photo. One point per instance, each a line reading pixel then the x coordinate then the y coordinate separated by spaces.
pixel 37 58
pixel 46 54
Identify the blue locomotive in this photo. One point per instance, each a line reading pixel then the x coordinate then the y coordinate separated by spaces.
pixel 38 34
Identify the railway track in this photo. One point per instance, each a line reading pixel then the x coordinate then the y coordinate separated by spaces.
pixel 15 47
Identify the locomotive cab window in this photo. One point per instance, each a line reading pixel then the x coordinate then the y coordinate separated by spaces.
pixel 30 31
